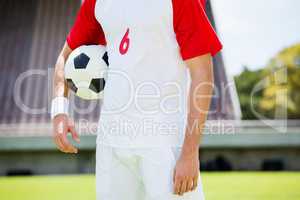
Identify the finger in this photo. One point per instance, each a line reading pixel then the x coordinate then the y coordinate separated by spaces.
pixel 174 182
pixel 177 185
pixel 58 143
pixel 64 148
pixel 59 131
pixel 190 184
pixel 67 145
pixel 74 133
pixel 183 187
pixel 195 182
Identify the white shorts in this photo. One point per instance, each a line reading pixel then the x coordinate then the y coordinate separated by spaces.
pixel 138 174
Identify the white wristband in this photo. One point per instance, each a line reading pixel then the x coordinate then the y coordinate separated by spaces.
pixel 59 105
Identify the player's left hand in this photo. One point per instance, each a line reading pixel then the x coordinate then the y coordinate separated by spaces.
pixel 186 174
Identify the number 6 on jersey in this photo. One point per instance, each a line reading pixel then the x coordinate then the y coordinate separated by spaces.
pixel 124 45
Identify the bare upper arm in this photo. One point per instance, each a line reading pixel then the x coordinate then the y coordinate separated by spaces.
pixel 200 67
pixel 66 51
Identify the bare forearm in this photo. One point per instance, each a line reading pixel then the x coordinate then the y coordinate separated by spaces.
pixel 59 87
pixel 201 89
pixel 62 124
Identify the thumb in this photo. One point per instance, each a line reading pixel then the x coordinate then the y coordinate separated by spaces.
pixel 73 131
pixel 74 134
pixel 174 176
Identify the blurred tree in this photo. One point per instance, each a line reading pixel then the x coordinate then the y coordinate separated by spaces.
pixel 245 83
pixel 279 96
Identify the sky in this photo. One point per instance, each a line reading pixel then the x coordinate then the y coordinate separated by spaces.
pixel 254 31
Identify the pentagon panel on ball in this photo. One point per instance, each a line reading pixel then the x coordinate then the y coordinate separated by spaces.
pixel 85 71
pixel 81 61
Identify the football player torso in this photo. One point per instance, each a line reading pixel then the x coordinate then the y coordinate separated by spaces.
pixel 147 79
pixel 145 98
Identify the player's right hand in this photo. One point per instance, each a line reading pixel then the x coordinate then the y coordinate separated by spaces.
pixel 62 125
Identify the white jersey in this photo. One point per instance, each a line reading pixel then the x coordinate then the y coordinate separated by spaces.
pixel 145 97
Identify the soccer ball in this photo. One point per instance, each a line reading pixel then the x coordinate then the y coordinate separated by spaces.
pixel 85 71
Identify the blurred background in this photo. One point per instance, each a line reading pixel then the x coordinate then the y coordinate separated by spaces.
pixel 251 144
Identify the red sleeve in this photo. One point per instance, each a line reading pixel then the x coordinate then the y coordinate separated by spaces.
pixel 194 33
pixel 86 30
pixel 203 3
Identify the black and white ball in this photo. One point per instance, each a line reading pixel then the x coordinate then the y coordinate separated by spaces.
pixel 85 71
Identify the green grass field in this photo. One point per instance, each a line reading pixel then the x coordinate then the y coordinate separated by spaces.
pixel 217 186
